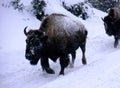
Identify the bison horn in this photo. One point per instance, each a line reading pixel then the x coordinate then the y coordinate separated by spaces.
pixel 25 31
pixel 102 18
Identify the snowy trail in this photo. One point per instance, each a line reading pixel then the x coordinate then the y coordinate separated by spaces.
pixel 103 62
pixel 99 58
pixel 98 74
pixel 16 72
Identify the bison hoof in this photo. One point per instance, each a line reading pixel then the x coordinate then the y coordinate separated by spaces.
pixel 115 45
pixel 61 73
pixel 50 71
pixel 84 61
pixel 71 65
pixel 33 62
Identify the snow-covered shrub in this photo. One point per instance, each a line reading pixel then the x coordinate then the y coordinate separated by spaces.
pixel 81 9
pixel 104 5
pixel 88 8
pixel 38 8
pixel 17 5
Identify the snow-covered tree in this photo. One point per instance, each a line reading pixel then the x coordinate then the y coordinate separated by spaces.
pixel 80 9
pixel 17 5
pixel 38 8
pixel 104 5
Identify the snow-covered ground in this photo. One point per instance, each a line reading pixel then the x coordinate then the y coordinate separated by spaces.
pixel 103 62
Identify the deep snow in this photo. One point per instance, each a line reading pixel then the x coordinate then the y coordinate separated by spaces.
pixel 103 62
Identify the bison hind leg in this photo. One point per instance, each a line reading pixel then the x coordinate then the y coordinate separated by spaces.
pixel 73 54
pixel 83 58
pixel 82 46
pixel 116 43
pixel 84 61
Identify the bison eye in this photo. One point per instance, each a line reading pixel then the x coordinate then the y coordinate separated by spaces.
pixel 37 43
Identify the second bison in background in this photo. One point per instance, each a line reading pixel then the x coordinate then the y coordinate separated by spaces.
pixel 112 24
pixel 57 37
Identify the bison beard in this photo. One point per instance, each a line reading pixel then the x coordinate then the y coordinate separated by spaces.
pixel 56 40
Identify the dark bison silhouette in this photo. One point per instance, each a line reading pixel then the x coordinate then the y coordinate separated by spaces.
pixel 57 37
pixel 112 24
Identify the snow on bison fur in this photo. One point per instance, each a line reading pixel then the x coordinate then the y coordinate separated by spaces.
pixel 57 37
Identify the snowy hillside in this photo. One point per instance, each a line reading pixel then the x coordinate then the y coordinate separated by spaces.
pixel 103 62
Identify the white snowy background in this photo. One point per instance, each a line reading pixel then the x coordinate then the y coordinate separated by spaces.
pixel 103 60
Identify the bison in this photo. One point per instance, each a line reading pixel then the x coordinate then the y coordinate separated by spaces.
pixel 57 37
pixel 112 24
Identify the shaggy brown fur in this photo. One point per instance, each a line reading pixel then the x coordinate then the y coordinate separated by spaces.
pixel 65 33
pixel 114 12
pixel 54 26
pixel 65 36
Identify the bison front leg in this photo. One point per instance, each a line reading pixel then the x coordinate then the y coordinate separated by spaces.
pixel 45 66
pixel 82 46
pixel 64 61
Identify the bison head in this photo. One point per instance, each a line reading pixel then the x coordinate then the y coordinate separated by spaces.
pixel 34 45
pixel 108 23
